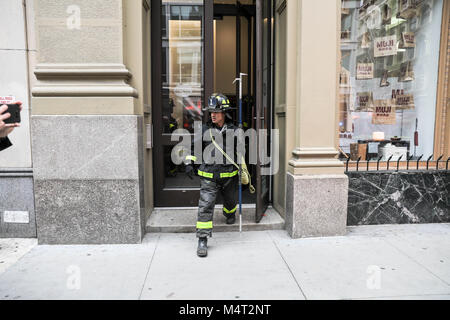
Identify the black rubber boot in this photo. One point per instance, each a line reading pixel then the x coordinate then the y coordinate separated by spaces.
pixel 202 250
pixel 231 219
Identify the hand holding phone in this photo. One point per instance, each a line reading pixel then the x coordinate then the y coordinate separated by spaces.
pixel 14 111
pixel 9 118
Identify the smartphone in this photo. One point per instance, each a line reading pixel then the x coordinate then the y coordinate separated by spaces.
pixel 14 111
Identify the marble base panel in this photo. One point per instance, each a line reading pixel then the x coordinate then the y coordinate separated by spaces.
pixel 17 214
pixel 398 197
pixel 88 211
pixel 316 205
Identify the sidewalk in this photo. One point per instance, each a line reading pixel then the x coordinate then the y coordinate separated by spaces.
pixel 370 262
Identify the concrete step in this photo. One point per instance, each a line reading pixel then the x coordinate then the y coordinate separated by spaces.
pixel 183 220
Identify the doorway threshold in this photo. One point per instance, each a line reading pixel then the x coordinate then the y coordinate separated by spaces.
pixel 183 220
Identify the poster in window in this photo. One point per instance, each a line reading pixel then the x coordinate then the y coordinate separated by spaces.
pixel 364 101
pixel 364 71
pixel 385 46
pixel 397 92
pixel 384 112
pixel 404 102
pixel 408 40
pixel 406 9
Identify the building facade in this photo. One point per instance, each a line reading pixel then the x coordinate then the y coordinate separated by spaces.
pixel 337 85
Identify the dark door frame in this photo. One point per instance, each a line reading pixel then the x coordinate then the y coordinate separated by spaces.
pixel 176 197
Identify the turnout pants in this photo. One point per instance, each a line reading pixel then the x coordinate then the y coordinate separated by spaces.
pixel 209 189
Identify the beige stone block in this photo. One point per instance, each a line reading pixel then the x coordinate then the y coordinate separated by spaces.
pixel 316 205
pixel 79 31
pixel 84 106
pixel 89 9
pixel 91 44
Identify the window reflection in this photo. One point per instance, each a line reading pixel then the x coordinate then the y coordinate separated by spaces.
pixel 182 41
pixel 182 77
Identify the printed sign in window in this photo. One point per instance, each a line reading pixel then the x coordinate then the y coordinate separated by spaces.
pixel 384 112
pixel 364 71
pixel 385 46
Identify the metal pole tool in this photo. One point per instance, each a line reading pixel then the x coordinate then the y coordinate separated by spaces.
pixel 240 140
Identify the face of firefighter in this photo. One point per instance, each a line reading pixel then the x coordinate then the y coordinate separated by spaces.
pixel 218 118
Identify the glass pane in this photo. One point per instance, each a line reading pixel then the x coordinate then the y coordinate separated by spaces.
pixel 388 80
pixel 175 175
pixel 182 59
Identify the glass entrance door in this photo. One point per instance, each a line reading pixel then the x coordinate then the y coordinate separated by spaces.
pixel 193 44
pixel 180 70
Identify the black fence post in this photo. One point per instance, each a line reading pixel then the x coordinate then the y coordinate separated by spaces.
pixel 428 161
pixel 407 163
pixel 417 168
pixel 357 164
pixel 378 163
pixel 437 162
pixel 398 161
pixel 388 162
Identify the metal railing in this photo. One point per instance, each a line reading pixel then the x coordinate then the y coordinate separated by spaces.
pixel 408 160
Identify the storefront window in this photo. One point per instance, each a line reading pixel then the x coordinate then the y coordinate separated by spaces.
pixel 388 79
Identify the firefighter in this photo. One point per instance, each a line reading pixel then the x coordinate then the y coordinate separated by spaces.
pixel 215 177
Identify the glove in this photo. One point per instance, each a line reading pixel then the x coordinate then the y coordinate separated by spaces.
pixel 190 171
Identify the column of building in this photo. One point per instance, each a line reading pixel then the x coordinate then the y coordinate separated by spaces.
pixel 317 188
pixel 86 126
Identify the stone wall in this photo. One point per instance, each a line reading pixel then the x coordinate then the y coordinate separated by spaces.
pixel 17 216
pixel 381 197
